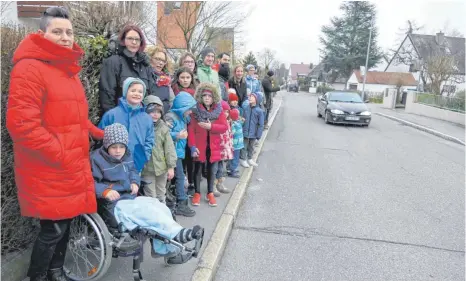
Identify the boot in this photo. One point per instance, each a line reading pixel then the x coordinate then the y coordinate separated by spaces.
pixel 40 277
pixel 57 275
pixel 221 187
pixel 183 209
pixel 215 191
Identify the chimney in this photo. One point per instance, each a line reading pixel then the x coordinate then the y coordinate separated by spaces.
pixel 440 38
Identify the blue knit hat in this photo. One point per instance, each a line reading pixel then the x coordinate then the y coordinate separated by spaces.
pixel 130 81
pixel 250 66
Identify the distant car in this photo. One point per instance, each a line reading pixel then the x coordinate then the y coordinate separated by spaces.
pixel 293 88
pixel 343 108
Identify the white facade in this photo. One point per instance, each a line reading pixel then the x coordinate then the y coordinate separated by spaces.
pixel 10 16
pixel 379 88
pixel 408 47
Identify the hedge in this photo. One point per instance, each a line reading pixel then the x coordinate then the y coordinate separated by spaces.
pixel 17 231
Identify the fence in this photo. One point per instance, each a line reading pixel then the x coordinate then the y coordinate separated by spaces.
pixel 449 103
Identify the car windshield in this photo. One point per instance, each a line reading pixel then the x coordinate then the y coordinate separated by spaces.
pixel 345 97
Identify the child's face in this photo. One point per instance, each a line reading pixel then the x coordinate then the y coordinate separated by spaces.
pixel 227 113
pixel 207 99
pixel 185 79
pixel 187 113
pixel 155 115
pixel 117 150
pixel 234 103
pixel 135 94
pixel 252 100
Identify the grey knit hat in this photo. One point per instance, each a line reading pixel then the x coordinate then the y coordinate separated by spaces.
pixel 205 52
pixel 115 133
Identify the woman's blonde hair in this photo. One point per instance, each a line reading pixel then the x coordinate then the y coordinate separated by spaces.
pixel 152 50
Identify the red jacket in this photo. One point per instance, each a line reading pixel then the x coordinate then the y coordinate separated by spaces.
pixel 47 118
pixel 197 136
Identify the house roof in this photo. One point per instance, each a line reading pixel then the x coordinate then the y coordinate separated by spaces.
pixel 427 46
pixel 297 68
pixel 386 78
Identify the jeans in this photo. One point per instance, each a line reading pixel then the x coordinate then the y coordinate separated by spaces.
pixel 220 170
pixel 235 161
pixel 50 247
pixel 211 174
pixel 248 151
pixel 180 192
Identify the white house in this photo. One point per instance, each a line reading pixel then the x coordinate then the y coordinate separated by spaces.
pixel 379 81
pixel 417 49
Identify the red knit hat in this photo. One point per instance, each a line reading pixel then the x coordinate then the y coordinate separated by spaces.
pixel 225 105
pixel 234 114
pixel 232 97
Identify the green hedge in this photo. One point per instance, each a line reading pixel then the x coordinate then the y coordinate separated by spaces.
pixel 17 231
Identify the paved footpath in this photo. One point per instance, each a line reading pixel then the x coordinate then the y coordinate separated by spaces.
pixel 445 127
pixel 332 202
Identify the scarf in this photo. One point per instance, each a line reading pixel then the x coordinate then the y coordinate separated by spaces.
pixel 163 79
pixel 202 115
pixel 177 89
pixel 205 68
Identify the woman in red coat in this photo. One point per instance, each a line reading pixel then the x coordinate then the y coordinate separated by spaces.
pixel 47 118
pixel 204 130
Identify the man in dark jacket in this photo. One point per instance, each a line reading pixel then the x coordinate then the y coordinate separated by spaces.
pixel 268 90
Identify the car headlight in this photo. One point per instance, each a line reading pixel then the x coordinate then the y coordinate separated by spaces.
pixel 365 113
pixel 337 111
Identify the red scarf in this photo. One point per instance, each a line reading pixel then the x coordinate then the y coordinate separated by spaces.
pixel 163 79
pixel 177 89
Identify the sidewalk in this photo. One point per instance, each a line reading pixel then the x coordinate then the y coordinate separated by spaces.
pixel 447 128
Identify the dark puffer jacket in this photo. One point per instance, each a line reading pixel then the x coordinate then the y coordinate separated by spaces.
pixel 241 89
pixel 115 70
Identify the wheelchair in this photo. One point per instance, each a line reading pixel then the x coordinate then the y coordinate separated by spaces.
pixel 94 242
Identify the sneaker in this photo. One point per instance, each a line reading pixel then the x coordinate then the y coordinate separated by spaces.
pixel 215 191
pixel 221 187
pixel 211 198
pixel 196 201
pixel 183 209
pixel 252 163
pixel 191 191
pixel 244 163
pixel 57 274
pixel 235 174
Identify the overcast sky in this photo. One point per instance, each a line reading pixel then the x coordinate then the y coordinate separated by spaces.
pixel 292 27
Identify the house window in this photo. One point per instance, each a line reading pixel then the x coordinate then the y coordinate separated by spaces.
pixel 353 86
pixel 170 6
pixel 177 5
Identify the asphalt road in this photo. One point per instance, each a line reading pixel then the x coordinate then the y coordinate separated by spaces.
pixel 348 203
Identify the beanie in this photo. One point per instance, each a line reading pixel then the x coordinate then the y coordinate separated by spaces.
pixel 270 73
pixel 153 107
pixel 234 114
pixel 130 81
pixel 205 52
pixel 115 133
pixel 225 105
pixel 232 97
pixel 250 66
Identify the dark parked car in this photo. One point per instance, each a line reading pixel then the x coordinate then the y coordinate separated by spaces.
pixel 343 108
pixel 293 88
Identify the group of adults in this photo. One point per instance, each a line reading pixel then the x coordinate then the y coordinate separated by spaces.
pixel 47 118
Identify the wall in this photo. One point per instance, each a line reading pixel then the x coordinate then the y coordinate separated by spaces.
pixel 374 87
pixel 433 112
pixel 389 98
pixel 338 86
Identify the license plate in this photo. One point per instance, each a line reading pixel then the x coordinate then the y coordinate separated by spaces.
pixel 352 118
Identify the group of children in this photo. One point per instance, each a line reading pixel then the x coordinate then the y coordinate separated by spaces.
pixel 141 140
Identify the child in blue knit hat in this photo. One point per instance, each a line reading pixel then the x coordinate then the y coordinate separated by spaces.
pixel 130 112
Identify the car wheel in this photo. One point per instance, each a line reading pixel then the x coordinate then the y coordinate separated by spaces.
pixel 327 118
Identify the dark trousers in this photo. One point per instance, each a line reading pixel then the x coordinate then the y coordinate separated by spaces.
pixel 188 165
pixel 268 107
pixel 211 173
pixel 50 247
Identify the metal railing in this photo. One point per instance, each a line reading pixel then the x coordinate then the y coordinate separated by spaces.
pixel 449 103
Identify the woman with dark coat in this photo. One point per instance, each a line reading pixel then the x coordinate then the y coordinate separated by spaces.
pixel 129 61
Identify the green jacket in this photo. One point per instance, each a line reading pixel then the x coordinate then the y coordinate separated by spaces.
pixel 163 154
pixel 206 74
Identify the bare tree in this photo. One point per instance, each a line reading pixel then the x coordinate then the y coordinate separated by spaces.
pixel 441 70
pixel 266 58
pixel 108 17
pixel 4 5
pixel 201 23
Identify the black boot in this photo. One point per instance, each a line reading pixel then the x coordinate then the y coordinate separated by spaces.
pixel 57 275
pixel 40 277
pixel 182 209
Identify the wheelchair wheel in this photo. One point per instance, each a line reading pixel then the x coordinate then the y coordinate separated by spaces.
pixel 89 251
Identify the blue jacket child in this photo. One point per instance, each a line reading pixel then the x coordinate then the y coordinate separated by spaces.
pixel 254 118
pixel 137 122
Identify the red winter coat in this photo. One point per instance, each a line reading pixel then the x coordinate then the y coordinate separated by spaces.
pixel 47 118
pixel 197 136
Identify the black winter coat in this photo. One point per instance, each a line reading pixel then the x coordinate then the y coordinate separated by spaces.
pixel 241 89
pixel 115 70
pixel 267 85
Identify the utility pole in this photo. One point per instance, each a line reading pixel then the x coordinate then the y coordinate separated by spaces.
pixel 367 60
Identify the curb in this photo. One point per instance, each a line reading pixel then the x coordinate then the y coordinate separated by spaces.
pixel 208 262
pixel 422 128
